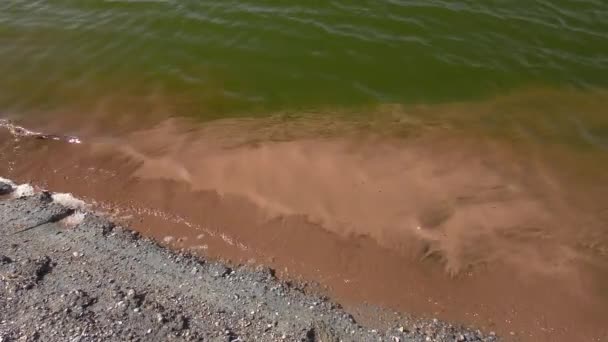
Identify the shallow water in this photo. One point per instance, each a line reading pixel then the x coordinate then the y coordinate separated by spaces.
pixel 438 224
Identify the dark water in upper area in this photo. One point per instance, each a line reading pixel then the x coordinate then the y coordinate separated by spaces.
pixel 220 57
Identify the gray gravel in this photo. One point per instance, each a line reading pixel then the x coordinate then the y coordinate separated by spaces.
pixel 99 282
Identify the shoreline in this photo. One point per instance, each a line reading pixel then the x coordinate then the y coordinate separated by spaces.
pixel 68 273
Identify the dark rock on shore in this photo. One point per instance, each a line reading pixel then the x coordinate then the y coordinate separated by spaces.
pixel 5 188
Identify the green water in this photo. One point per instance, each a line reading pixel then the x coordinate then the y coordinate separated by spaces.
pixel 217 58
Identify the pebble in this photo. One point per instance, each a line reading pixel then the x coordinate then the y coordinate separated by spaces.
pixel 130 293
pixel 5 188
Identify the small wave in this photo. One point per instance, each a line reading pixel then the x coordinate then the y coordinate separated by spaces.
pixel 20 131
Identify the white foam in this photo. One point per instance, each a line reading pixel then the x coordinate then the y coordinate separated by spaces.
pixel 68 200
pixel 7 181
pixel 74 220
pixel 74 140
pixel 23 190
pixel 19 131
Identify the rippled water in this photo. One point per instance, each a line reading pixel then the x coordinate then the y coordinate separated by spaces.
pixel 215 57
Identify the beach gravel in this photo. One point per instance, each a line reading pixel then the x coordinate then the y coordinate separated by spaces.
pixel 99 282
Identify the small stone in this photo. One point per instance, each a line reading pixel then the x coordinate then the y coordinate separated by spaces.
pixel 5 188
pixel 218 270
pixel 5 260
pixel 160 318
pixel 45 197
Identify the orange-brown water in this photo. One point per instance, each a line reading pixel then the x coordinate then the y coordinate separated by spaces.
pixel 511 237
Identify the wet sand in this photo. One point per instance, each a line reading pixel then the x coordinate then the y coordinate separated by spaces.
pixel 437 225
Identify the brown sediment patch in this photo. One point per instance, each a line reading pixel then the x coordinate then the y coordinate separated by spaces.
pixel 461 228
pixel 444 192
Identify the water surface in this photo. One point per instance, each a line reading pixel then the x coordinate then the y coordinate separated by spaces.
pixel 245 56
